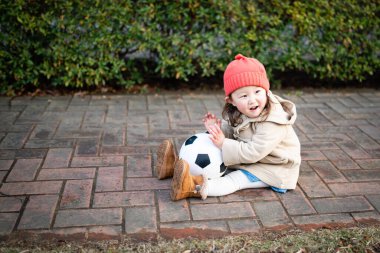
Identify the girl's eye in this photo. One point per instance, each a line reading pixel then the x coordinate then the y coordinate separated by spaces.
pixel 258 91
pixel 243 96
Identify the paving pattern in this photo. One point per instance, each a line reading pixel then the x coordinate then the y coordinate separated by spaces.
pixel 83 167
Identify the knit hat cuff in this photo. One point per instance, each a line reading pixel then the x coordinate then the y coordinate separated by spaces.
pixel 246 79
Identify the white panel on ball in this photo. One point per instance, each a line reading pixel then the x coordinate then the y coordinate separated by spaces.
pixel 203 156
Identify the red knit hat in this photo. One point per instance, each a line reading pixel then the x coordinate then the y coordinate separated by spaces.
pixel 244 71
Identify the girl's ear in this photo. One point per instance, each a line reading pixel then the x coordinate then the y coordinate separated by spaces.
pixel 228 99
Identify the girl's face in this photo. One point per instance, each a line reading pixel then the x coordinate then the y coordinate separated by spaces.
pixel 249 100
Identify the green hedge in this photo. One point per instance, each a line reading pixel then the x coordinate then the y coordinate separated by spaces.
pixel 83 43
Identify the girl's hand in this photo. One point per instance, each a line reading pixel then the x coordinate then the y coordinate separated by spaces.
pixel 210 119
pixel 216 135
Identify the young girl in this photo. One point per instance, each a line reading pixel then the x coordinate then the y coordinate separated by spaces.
pixel 256 139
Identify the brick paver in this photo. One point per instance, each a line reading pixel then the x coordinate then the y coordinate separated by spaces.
pixel 24 170
pixel 76 194
pixel 57 158
pixel 110 179
pixel 39 212
pixel 272 214
pixel 83 167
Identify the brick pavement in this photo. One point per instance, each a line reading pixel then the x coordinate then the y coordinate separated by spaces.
pixel 82 167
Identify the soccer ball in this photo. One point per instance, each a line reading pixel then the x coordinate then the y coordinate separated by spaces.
pixel 202 156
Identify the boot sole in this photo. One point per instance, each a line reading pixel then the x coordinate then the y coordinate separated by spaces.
pixel 163 152
pixel 179 174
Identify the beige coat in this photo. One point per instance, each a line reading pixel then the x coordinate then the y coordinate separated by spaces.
pixel 270 150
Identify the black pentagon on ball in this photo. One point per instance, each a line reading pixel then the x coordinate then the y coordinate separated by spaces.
pixel 190 140
pixel 202 160
pixel 222 168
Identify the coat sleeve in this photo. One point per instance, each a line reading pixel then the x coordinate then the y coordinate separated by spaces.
pixel 263 142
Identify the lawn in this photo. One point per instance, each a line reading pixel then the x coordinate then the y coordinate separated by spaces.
pixel 359 239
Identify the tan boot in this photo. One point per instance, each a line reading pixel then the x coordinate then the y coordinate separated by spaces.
pixel 166 158
pixel 184 185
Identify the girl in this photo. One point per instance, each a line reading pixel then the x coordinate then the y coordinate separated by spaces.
pixel 256 139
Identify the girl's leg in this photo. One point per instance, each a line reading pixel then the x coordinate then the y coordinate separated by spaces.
pixel 230 183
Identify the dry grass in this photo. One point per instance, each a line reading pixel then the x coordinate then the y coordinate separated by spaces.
pixel 365 239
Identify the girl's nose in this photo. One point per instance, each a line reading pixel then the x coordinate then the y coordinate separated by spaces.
pixel 251 99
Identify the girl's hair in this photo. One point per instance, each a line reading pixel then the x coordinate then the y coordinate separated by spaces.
pixel 232 114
